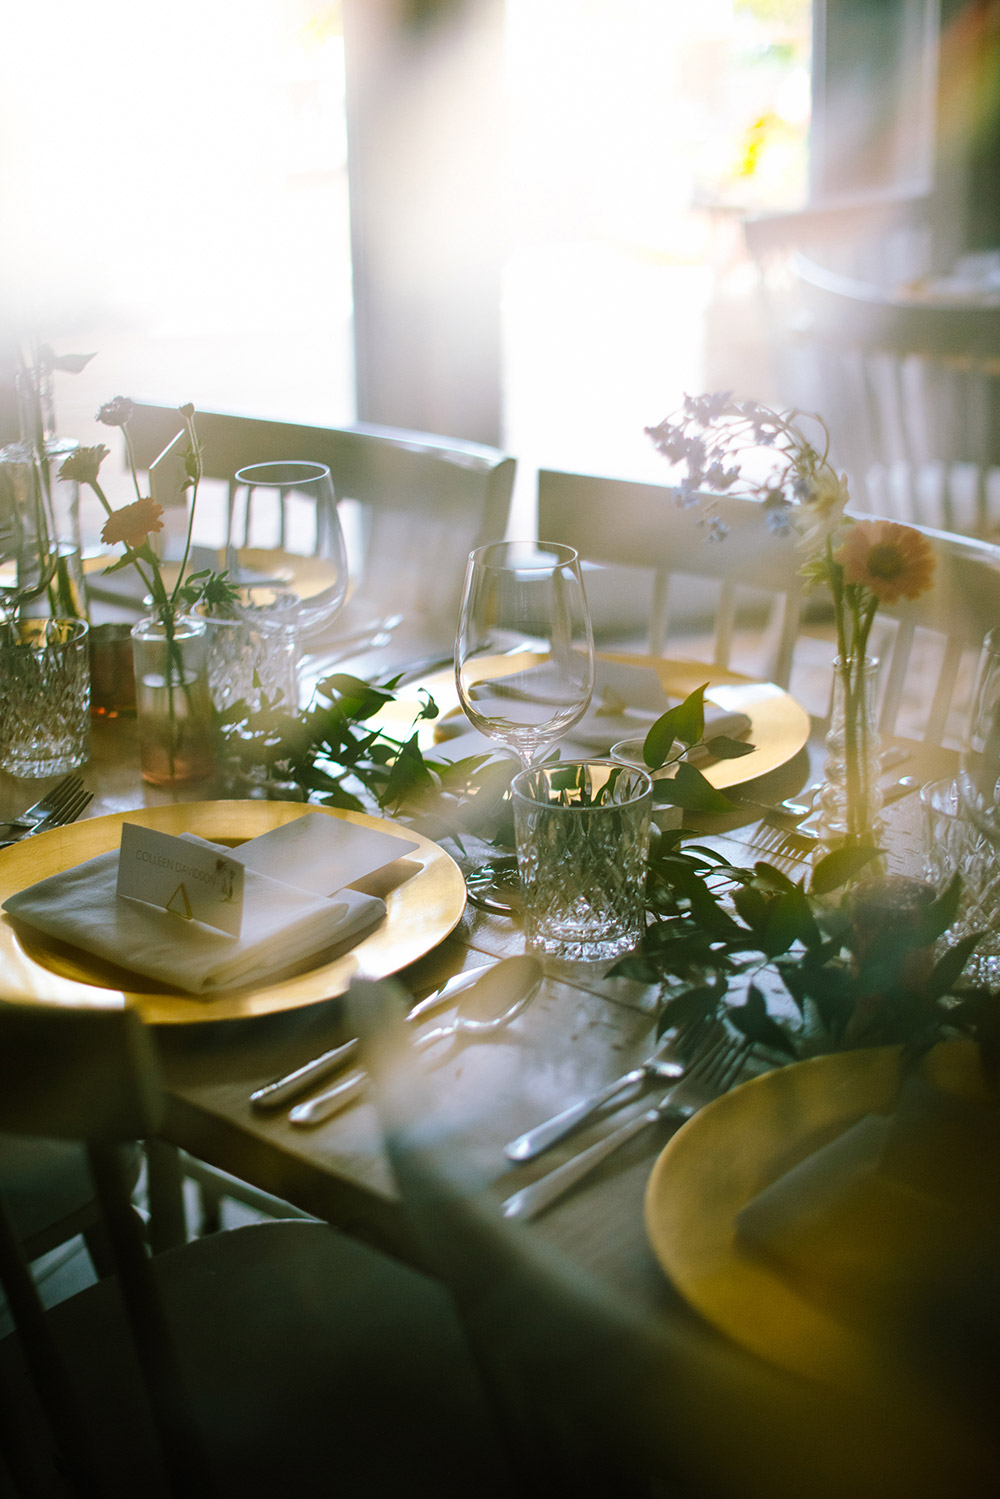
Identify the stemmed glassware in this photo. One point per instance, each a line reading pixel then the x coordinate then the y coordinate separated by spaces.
pixel 979 761
pixel 291 506
pixel 963 819
pixel 524 664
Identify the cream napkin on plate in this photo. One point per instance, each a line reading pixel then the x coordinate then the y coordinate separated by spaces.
pixel 627 701
pixel 862 1220
pixel 283 923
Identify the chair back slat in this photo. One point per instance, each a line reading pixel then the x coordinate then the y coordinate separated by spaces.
pixel 944 691
pixel 614 521
pixel 77 1074
pixel 420 503
pixel 659 612
pixel 894 678
pixel 725 623
pixel 621 522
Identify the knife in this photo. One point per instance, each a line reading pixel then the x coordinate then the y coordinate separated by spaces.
pixel 284 1089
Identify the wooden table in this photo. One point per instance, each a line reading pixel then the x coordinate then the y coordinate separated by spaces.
pixel 581 1030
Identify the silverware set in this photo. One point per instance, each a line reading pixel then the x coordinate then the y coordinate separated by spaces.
pixel 664 1062
pixel 58 807
pixel 490 998
pixel 700 1063
pixel 780 838
pixel 710 1073
pixel 791 811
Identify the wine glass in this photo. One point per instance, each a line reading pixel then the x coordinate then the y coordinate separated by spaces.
pixel 977 803
pixel 289 510
pixel 524 664
pixel 979 760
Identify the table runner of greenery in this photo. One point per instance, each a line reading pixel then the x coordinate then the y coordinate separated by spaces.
pixel 721 939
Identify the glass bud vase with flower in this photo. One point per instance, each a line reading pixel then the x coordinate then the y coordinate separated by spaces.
pixel 876 562
pixel 41 537
pixel 863 563
pixel 176 720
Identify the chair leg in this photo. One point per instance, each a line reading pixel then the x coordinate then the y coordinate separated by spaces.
pixel 95 1237
pixel 209 1208
pixel 165 1188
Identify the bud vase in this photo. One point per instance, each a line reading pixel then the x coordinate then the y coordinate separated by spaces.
pixel 47 572
pixel 850 802
pixel 40 512
pixel 177 733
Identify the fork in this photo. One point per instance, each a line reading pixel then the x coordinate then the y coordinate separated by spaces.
pixel 51 803
pixel 68 813
pixel 711 1074
pixel 792 842
pixel 781 814
pixel 315 1110
pixel 663 1061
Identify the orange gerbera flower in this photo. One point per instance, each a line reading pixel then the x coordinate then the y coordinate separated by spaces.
pixel 891 561
pixel 132 523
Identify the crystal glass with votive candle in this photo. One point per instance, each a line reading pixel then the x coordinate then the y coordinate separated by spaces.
pixel 630 752
pixel 44 696
pixel 582 829
pixel 953 844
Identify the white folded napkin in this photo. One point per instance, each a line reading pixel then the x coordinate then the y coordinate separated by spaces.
pixel 627 701
pixel 321 854
pixel 599 730
pixel 283 922
pixel 865 1218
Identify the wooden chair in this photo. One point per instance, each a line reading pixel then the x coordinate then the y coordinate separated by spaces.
pixel 51 1198
pixel 928 646
pixel 615 522
pixel 281 1358
pixel 413 505
pixel 909 386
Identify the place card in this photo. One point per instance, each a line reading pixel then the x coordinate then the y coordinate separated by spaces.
pixel 192 880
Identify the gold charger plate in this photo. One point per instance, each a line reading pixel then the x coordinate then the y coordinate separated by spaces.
pixel 422 909
pixel 717 1162
pixel 305 576
pixel 779 726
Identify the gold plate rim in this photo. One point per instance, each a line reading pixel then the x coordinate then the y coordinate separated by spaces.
pixel 729 1152
pixel 779 726
pixel 420 913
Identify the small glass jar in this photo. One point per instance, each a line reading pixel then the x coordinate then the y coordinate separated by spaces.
pixel 177 731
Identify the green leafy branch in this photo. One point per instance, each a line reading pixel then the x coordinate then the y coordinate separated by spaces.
pixel 739 943
pixel 336 755
pixel 667 745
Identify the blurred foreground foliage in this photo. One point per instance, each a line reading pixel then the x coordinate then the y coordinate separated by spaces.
pixel 800 967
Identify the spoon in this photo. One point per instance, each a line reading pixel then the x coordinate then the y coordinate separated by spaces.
pixel 285 1090
pixel 500 995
